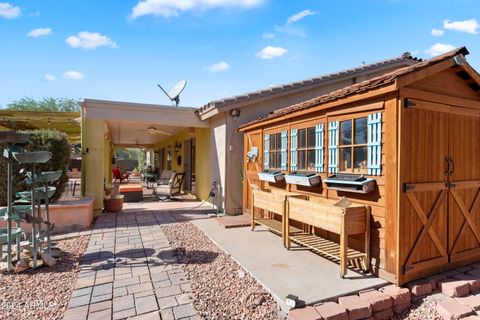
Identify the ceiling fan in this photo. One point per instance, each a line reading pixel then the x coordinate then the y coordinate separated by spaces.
pixel 153 130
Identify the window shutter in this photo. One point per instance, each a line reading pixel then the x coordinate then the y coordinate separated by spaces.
pixel 293 150
pixel 266 153
pixel 333 147
pixel 375 144
pixel 284 150
pixel 319 149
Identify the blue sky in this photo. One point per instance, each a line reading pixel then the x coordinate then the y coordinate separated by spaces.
pixel 120 50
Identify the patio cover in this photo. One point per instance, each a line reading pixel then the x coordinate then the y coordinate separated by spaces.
pixel 106 124
pixel 140 125
pixel 30 120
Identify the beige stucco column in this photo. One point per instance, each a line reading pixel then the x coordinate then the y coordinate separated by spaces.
pixel 93 162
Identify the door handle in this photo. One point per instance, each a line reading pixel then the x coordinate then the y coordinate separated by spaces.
pixel 447 164
pixel 453 167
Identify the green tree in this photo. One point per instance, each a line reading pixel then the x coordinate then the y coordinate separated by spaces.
pixel 45 104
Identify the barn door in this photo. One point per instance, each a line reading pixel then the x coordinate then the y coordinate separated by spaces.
pixel 464 198
pixel 423 205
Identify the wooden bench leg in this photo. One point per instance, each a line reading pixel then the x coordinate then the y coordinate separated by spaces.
pixel 252 212
pixel 366 259
pixel 343 248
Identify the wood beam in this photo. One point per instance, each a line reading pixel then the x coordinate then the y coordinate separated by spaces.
pixel 439 98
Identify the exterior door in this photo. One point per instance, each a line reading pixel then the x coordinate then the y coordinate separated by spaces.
pixel 187 162
pixel 464 199
pixel 423 203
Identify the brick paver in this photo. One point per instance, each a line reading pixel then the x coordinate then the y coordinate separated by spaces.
pixel 129 269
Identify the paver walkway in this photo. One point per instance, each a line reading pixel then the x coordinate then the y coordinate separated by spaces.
pixel 130 269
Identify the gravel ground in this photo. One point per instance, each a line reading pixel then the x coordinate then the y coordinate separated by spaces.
pixel 425 309
pixel 222 289
pixel 43 293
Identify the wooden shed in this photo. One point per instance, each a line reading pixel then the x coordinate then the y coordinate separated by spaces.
pixel 405 145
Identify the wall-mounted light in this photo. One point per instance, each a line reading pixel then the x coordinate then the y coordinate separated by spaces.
pixel 235 113
pixel 177 146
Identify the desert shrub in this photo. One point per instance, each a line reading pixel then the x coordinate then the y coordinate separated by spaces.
pixel 40 140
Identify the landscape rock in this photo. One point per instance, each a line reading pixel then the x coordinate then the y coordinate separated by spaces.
pixel 48 259
pixel 22 265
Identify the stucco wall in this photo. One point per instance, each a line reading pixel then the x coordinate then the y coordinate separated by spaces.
pixel 218 156
pixel 202 163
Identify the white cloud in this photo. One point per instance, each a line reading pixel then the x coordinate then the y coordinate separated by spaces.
pixel 49 77
pixel 439 48
pixel 268 35
pixel 437 32
pixel 300 15
pixel 39 32
pixel 90 40
pixel 290 28
pixel 172 8
pixel 73 75
pixel 468 26
pixel 218 67
pixel 9 11
pixel 270 52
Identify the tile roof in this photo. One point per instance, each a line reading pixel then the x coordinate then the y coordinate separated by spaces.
pixel 340 75
pixel 357 88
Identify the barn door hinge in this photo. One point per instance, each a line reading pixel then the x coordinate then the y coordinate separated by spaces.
pixel 408 186
pixel 408 103
pixel 406 268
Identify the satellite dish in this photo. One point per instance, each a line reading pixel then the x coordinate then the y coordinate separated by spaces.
pixel 174 94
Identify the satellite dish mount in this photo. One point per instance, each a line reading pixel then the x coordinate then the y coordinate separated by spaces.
pixel 174 94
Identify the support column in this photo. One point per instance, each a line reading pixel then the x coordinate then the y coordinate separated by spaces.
pixel 93 161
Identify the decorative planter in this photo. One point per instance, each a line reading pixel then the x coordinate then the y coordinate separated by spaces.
pixel 351 183
pixel 275 176
pixel 114 203
pixel 308 179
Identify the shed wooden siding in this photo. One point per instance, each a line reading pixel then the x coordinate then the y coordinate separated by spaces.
pixel 377 200
pixel 447 108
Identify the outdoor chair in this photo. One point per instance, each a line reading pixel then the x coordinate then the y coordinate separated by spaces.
pixel 117 175
pixel 166 177
pixel 173 188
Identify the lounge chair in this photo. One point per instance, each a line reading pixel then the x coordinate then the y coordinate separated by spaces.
pixel 173 188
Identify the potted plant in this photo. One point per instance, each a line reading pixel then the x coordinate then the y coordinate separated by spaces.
pixel 112 200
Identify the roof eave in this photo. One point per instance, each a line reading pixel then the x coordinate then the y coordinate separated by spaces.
pixel 323 106
pixel 225 107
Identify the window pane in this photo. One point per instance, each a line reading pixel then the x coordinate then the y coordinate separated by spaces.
pixel 272 142
pixel 279 160
pixel 279 141
pixel 311 160
pixel 360 131
pixel 345 158
pixel 301 160
pixel 311 137
pixel 302 136
pixel 360 157
pixel 271 163
pixel 345 132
